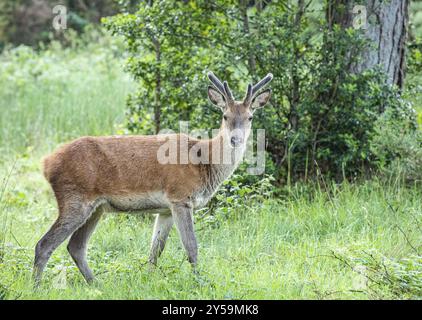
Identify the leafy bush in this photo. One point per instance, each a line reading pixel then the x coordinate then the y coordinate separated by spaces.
pixel 397 148
pixel 414 78
pixel 322 116
pixel 234 196
pixel 169 56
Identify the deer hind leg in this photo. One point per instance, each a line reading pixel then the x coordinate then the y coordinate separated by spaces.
pixel 77 246
pixel 162 227
pixel 72 215
pixel 183 218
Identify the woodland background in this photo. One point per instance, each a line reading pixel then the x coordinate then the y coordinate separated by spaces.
pixel 337 213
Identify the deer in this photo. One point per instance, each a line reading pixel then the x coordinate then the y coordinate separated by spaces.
pixel 93 175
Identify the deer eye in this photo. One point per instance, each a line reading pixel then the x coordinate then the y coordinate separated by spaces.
pixel 250 118
pixel 225 118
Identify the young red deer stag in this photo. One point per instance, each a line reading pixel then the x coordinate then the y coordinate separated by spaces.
pixel 124 173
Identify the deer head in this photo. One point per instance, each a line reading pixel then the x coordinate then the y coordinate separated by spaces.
pixel 238 115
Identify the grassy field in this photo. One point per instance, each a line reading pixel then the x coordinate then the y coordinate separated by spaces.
pixel 57 94
pixel 357 241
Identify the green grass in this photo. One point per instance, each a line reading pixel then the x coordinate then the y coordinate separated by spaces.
pixel 279 249
pixel 58 94
pixel 306 244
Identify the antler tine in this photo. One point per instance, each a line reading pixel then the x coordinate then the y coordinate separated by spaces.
pixel 229 94
pixel 261 83
pixel 248 93
pixel 217 83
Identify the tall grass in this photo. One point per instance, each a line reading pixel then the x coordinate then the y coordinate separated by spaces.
pixel 308 244
pixel 48 97
pixel 60 93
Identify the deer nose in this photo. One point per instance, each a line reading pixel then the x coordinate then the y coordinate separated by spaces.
pixel 235 141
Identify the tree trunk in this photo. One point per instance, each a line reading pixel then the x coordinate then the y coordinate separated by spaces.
pixel 385 27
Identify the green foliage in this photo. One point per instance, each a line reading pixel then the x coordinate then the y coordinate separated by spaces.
pixel 266 249
pixel 58 93
pixel 416 17
pixel 322 115
pixel 232 196
pixel 397 148
pixel 255 244
pixel 169 51
pixel 383 277
pixel 339 109
pixel 414 63
pixel 252 245
pixel 415 56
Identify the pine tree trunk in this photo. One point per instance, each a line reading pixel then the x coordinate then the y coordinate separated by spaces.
pixel 385 27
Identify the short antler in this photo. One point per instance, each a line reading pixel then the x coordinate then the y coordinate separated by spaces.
pixel 248 94
pixel 216 82
pixel 261 83
pixel 223 88
pixel 252 91
pixel 229 94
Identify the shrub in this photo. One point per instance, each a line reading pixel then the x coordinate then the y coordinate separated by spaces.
pixel 322 116
pixel 397 147
pixel 232 197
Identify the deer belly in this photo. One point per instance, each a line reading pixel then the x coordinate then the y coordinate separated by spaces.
pixel 146 201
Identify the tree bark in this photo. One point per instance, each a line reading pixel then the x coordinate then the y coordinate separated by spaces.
pixel 385 28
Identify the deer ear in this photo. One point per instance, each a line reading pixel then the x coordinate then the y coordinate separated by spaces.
pixel 261 100
pixel 216 98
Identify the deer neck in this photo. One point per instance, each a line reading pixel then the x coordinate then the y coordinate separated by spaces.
pixel 223 163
